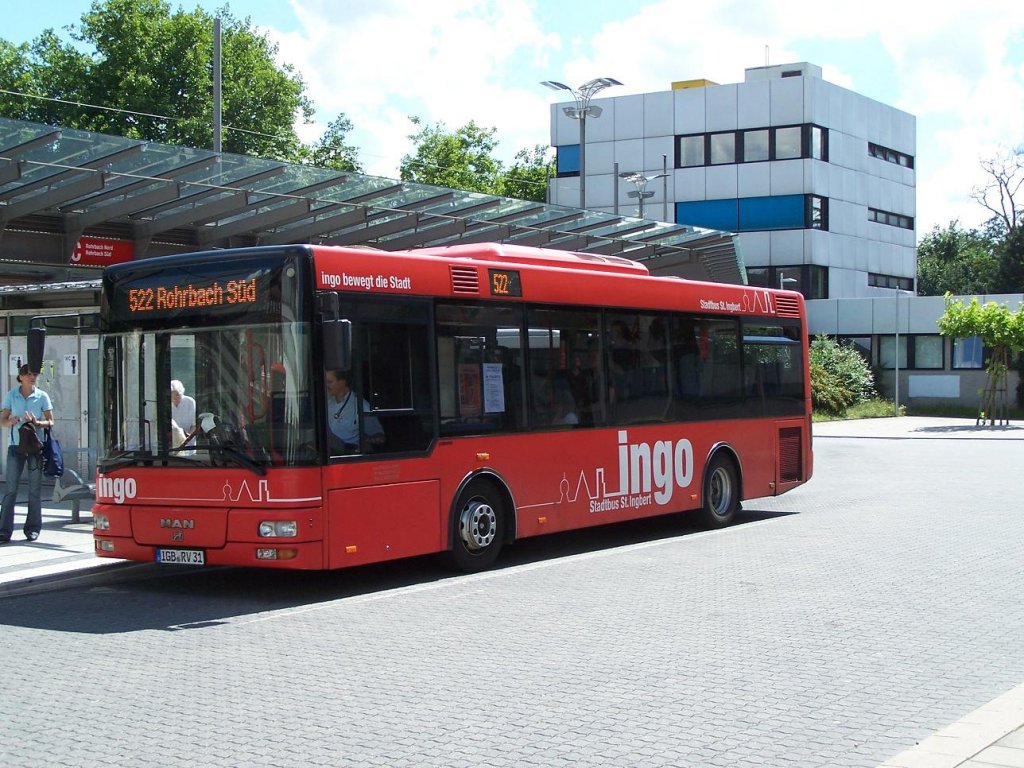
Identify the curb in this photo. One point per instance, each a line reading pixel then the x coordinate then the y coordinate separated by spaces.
pixel 47 582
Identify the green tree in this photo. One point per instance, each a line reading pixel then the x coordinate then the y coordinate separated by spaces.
pixel 156 69
pixel 463 159
pixel 1010 251
pixel 527 178
pixel 999 328
pixel 331 151
pixel 958 261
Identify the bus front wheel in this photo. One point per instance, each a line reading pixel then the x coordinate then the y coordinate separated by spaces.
pixel 479 528
pixel 721 493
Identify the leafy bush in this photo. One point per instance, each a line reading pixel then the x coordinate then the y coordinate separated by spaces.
pixel 840 377
pixel 828 394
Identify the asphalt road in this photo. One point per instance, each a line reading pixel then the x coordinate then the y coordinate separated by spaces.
pixel 833 626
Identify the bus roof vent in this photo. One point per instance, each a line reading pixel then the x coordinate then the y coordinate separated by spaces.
pixel 544 257
pixel 465 280
pixel 787 306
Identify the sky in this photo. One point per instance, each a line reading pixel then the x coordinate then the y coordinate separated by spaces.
pixel 957 67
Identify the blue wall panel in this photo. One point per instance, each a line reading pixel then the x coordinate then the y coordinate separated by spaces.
pixel 568 159
pixel 712 214
pixel 779 212
pixel 747 214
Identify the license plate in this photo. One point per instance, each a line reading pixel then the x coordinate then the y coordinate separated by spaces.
pixel 181 556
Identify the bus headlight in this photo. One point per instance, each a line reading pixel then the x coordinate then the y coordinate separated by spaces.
pixel 279 528
pixel 101 522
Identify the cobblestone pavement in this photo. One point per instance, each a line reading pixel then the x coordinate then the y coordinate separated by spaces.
pixel 837 625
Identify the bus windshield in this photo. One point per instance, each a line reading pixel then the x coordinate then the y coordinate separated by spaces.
pixel 253 405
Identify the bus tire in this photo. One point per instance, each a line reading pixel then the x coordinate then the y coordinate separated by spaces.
pixel 478 527
pixel 721 492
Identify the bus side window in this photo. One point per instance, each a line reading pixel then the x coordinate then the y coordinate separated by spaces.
pixel 479 367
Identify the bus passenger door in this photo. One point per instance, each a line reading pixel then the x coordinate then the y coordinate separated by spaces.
pixel 89 383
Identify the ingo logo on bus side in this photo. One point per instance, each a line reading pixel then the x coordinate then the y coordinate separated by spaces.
pixel 648 473
pixel 116 488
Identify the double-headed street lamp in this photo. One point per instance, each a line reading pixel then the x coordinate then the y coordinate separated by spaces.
pixel 581 112
pixel 640 182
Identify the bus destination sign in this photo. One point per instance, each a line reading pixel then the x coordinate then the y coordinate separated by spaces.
pixel 187 296
pixel 505 282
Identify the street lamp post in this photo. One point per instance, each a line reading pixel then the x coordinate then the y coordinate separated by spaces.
pixel 640 182
pixel 896 356
pixel 581 112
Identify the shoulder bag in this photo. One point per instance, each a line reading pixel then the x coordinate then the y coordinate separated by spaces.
pixel 53 456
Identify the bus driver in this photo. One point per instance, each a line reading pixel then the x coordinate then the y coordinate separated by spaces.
pixel 343 417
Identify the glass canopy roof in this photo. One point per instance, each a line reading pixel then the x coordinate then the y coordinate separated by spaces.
pixel 150 193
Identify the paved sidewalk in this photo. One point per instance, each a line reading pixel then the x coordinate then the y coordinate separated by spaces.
pixel 918 427
pixel 990 737
pixel 63 552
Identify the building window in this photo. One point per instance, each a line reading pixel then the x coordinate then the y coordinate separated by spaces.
pixel 817 212
pixel 755 145
pixel 890 281
pixel 890 155
pixel 890 219
pixel 969 353
pixel 923 352
pixel 927 352
pixel 789 279
pixel 758 276
pixel 691 151
pixel 817 282
pixel 789 143
pixel 886 351
pixel 808 279
pixel 819 143
pixel 723 148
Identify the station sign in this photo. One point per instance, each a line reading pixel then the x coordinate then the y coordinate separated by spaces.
pixel 101 252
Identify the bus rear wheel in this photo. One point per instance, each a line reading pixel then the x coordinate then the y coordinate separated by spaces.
pixel 479 528
pixel 721 493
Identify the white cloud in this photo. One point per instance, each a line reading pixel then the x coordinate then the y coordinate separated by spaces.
pixel 447 61
pixel 958 68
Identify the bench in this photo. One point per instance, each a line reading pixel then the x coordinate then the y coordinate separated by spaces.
pixel 71 487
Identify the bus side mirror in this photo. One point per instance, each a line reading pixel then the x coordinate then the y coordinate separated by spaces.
pixel 36 345
pixel 337 344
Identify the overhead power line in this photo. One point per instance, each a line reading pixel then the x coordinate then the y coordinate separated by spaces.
pixel 182 119
pixel 133 112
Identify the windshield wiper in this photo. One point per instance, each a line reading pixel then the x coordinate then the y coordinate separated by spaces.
pixel 123 459
pixel 240 457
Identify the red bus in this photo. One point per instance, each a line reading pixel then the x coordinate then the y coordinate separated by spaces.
pixel 357 405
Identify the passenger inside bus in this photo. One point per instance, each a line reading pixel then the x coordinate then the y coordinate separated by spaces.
pixel 564 411
pixel 582 385
pixel 343 410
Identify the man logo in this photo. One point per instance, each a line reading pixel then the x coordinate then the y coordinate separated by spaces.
pixel 173 522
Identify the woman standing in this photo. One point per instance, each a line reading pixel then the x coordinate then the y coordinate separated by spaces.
pixel 25 404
